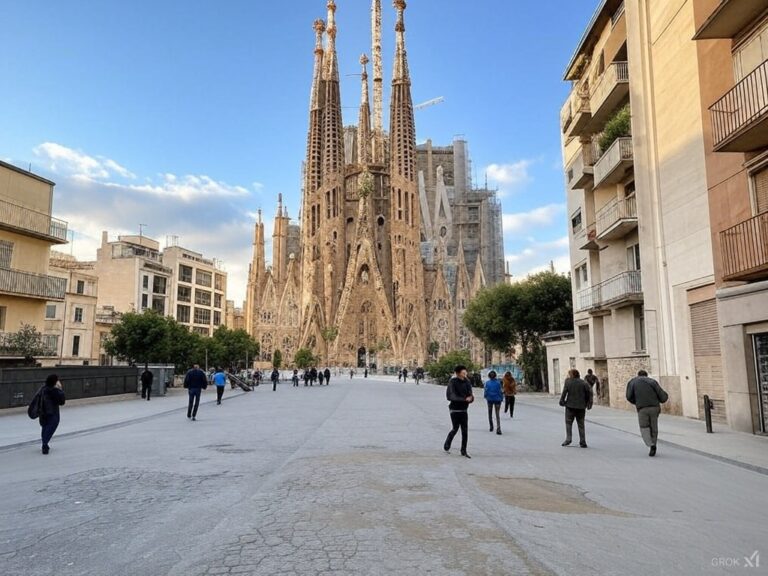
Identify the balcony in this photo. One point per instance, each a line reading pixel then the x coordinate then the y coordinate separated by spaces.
pixel 617 218
pixel 580 172
pixel 622 290
pixel 588 240
pixel 740 118
pixel 20 219
pixel 575 114
pixel 30 285
pixel 730 18
pixel 744 249
pixel 611 90
pixel 615 162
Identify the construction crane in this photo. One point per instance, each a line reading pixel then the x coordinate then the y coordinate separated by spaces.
pixel 428 103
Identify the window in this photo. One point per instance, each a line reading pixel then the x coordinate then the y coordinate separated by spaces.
pixel 639 328
pixel 204 278
pixel 145 283
pixel 202 297
pixel 474 213
pixel 751 54
pixel 472 231
pixel 202 316
pixel 219 282
pixel 50 312
pixel 51 344
pixel 584 344
pixel 6 253
pixel 183 314
pixel 760 187
pixel 81 287
pixel 78 314
pixel 576 222
pixel 159 284
pixel 633 257
pixel 144 301
pixel 580 276
pixel 3 310
pixel 217 318
pixel 217 300
pixel 200 330
pixel 184 294
pixel 75 345
pixel 185 273
pixel 158 305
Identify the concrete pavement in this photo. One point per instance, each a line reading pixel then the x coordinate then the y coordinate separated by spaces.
pixel 351 479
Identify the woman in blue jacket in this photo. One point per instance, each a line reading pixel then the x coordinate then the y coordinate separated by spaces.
pixel 493 396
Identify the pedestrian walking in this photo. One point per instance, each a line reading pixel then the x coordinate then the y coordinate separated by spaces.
pixel 275 377
pixel 320 377
pixel 146 382
pixel 459 394
pixel 577 399
pixel 295 378
pixel 351 374
pixel 493 396
pixel 594 383
pixel 312 376
pixel 365 373
pixel 327 376
pixel 418 374
pixel 306 377
pixel 647 396
pixel 399 375
pixel 220 380
pixel 405 374
pixel 509 385
pixel 195 381
pixel 46 407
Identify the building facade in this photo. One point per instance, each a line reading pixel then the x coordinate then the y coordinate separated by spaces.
pixel 27 232
pixel 367 278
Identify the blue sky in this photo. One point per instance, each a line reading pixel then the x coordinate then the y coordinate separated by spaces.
pixel 189 116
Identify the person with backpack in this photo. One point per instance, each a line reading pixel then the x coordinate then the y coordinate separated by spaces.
pixel 493 397
pixel 195 381
pixel 146 382
pixel 45 406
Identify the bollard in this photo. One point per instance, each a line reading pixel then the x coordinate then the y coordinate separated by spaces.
pixel 708 413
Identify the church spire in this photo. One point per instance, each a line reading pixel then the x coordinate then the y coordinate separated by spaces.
pixel 400 73
pixel 333 130
pixel 331 63
pixel 364 122
pixel 402 131
pixel 378 83
pixel 313 165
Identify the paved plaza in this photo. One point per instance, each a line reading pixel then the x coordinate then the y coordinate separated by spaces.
pixel 352 479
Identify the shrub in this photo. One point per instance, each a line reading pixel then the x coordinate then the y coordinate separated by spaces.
pixel 617 127
pixel 442 370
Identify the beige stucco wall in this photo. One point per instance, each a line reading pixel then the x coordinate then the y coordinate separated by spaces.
pixel 25 190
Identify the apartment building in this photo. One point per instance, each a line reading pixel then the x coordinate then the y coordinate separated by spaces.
pixel 132 276
pixel 198 290
pixel 70 325
pixel 27 232
pixel 731 43
pixel 641 249
pixel 235 316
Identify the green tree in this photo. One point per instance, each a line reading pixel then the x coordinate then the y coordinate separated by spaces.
pixel 442 369
pixel 28 342
pixel 277 359
pixel 509 315
pixel 140 338
pixel 229 348
pixel 304 359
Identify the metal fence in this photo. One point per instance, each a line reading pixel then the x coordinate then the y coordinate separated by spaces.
pixel 614 211
pixel 32 220
pixel 32 285
pixel 745 247
pixel 743 104
pixel 615 289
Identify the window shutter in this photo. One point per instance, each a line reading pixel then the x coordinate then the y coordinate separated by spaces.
pixel 760 180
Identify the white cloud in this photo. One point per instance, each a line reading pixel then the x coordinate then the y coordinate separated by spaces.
pixel 67 161
pixel 509 176
pixel 539 256
pixel 528 221
pixel 187 188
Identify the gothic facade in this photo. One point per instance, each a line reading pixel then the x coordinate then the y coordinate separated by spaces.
pixel 361 281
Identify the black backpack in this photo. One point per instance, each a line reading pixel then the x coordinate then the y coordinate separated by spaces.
pixel 36 407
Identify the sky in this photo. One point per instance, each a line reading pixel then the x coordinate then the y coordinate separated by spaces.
pixel 188 117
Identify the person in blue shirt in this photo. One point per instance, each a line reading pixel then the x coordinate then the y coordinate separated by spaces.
pixel 220 380
pixel 493 396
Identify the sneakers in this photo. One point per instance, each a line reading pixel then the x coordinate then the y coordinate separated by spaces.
pixel 653 451
pixel 566 443
pixel 498 431
pixel 194 418
pixel 491 427
pixel 582 444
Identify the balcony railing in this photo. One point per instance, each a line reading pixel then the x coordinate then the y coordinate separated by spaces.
pixel 10 345
pixel 740 118
pixel 580 171
pixel 615 162
pixel 611 89
pixel 623 288
pixel 32 285
pixel 617 218
pixel 30 221
pixel 744 249
pixel 575 113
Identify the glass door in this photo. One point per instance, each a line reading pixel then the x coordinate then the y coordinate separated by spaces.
pixel 761 370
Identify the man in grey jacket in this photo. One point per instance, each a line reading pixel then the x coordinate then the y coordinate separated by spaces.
pixel 577 399
pixel 647 396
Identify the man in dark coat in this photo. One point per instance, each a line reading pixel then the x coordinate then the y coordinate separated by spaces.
pixel 146 382
pixel 594 383
pixel 647 396
pixel 275 377
pixel 327 373
pixel 577 399
pixel 52 397
pixel 312 376
pixel 459 394
pixel 195 381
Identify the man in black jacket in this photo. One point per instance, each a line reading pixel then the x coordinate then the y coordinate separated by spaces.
pixel 647 396
pixel 195 382
pixel 146 382
pixel 459 394
pixel 52 397
pixel 577 399
pixel 327 374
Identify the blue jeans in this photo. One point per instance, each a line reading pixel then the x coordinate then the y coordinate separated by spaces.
pixel 49 425
pixel 194 398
